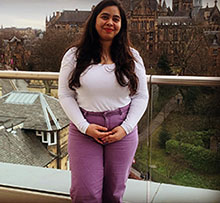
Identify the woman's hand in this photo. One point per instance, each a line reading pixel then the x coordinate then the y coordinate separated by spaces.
pixel 97 132
pixel 117 134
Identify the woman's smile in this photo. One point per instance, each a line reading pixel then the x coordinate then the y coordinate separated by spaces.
pixel 108 30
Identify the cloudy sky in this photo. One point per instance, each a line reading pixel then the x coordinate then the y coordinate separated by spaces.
pixel 32 13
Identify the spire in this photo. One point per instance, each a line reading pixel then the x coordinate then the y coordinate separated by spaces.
pixel 197 3
pixel 164 4
pixel 160 3
pixel 216 3
pixel 131 7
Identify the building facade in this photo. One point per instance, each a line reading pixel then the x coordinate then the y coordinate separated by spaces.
pixel 156 30
pixel 15 54
pixel 16 47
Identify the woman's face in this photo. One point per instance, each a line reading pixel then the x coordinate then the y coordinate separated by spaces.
pixel 108 23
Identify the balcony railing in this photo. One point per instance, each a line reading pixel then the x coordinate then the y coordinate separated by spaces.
pixel 34 184
pixel 151 79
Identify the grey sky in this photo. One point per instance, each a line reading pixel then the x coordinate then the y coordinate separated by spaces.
pixel 32 13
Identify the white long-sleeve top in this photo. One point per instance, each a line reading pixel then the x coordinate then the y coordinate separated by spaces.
pixel 100 91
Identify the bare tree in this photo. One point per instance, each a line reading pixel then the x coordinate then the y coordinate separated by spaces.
pixel 48 51
pixel 191 54
pixel 149 55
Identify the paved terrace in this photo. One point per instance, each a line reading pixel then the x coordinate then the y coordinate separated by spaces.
pixel 44 185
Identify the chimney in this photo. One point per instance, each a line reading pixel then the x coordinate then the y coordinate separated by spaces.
pixel 58 14
pixel 92 7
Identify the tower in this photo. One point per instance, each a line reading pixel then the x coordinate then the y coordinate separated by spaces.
pixel 197 4
pixel 183 5
pixel 160 3
pixel 127 4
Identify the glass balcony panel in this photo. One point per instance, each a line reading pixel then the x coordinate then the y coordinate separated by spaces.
pixel 140 163
pixel 187 126
pixel 184 136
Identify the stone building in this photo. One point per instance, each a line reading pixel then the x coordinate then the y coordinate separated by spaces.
pixel 69 20
pixel 15 54
pixel 182 6
pixel 209 17
pixel 49 87
pixel 156 30
pixel 19 32
pixel 185 34
pixel 213 41
pixel 33 130
pixel 16 46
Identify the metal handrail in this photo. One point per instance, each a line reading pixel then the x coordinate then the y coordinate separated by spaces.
pixel 34 75
pixel 185 80
pixel 155 79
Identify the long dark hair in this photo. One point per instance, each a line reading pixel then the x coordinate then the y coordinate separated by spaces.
pixel 89 51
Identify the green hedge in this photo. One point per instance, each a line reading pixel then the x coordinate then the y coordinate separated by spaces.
pixel 197 138
pixel 198 157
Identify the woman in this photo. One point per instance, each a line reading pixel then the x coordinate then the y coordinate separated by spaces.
pixel 103 90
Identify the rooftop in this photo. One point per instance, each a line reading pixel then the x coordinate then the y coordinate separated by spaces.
pixel 74 16
pixel 39 111
pixel 24 148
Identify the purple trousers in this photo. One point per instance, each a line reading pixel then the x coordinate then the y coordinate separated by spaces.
pixel 99 172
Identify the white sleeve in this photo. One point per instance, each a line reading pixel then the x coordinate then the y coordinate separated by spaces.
pixel 139 101
pixel 66 95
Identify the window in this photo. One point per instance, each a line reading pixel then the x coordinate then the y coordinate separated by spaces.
pixel 49 138
pixel 52 138
pixel 143 25
pixel 151 37
pixel 215 62
pixel 151 24
pixel 45 137
pixel 38 133
pixel 151 48
pixel 175 35
pixel 183 33
pixel 166 34
pixel 215 52
pixel 134 24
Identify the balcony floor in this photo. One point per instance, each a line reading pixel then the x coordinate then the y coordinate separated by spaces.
pixel 18 183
